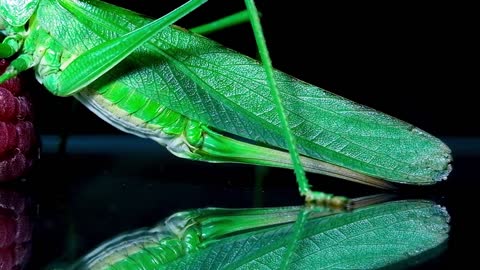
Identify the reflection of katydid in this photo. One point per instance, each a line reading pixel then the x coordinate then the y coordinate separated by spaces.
pixel 182 90
pixel 280 238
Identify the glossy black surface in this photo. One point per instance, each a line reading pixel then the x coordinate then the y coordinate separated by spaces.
pixel 97 189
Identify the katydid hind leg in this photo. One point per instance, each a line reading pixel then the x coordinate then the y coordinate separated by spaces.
pixel 100 59
pixel 297 231
pixel 304 186
pixel 222 148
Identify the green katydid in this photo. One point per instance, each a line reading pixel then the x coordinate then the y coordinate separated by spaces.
pixel 189 93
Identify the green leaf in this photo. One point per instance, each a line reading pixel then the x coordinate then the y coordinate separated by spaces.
pixel 400 233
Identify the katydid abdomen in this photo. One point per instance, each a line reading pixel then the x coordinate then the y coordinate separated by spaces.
pixel 203 87
pixel 190 139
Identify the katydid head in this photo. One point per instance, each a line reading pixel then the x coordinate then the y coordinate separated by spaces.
pixel 16 12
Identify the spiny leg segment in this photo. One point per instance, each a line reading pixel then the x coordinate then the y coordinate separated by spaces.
pixel 302 181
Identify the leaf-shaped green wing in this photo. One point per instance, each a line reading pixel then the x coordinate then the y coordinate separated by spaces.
pixel 400 232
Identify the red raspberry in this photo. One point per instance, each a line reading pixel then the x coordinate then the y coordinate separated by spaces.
pixel 16 230
pixel 18 141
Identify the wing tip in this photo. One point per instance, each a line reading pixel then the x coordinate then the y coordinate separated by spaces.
pixel 447 167
pixel 443 175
